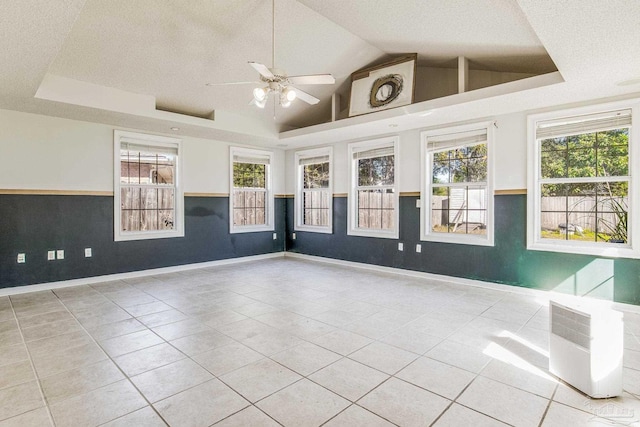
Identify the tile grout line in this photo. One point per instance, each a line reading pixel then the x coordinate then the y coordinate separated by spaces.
pixel 546 410
pixel 114 363
pixel 186 357
pixel 343 356
pixel 33 367
pixel 303 340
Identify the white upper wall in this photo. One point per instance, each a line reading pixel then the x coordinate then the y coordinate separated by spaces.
pixel 49 153
pixel 510 152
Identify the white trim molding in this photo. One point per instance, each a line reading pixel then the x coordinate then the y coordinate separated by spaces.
pixel 565 121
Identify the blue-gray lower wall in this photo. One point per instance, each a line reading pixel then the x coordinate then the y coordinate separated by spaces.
pixel 35 224
pixel 507 262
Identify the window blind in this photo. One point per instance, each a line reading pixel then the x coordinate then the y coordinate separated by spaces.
pixel 148 149
pixel 256 159
pixel 375 152
pixel 314 160
pixel 458 139
pixel 583 124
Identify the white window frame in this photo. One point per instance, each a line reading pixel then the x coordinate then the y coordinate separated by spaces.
pixel 426 233
pixel 120 137
pixel 534 241
pixel 269 224
pixel 299 198
pixel 352 217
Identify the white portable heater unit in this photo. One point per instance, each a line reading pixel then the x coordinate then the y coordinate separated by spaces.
pixel 586 348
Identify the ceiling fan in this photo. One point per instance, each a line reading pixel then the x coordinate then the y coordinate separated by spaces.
pixel 276 81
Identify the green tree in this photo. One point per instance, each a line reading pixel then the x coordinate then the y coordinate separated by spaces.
pixel 249 175
pixel 376 171
pixel 597 154
pixel 316 175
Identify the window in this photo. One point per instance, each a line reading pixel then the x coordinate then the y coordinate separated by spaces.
pixel 147 187
pixel 251 204
pixel 373 200
pixel 581 186
pixel 457 191
pixel 314 191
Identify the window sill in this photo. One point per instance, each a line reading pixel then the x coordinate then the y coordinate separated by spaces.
pixel 458 239
pixel 373 233
pixel 147 235
pixel 312 229
pixel 250 228
pixel 600 250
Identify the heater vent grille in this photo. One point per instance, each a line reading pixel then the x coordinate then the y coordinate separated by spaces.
pixel 572 326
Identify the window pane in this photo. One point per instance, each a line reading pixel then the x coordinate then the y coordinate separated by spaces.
pixel 238 199
pixel 586 155
pixel 260 198
pixel 163 174
pixel 148 220
pixel 465 164
pixel 149 165
pixel 260 216
pixel 166 221
pixel 581 162
pixel 148 198
pixel 461 210
pixel 613 152
pixel 316 175
pixel 594 212
pixel 238 216
pixel 249 207
pixel 440 171
pixel 376 209
pixel 249 175
pixel 129 198
pixel 130 220
pixel 166 199
pixel 129 170
pixel 376 171
pixel 457 170
pixel 553 163
pixel 316 208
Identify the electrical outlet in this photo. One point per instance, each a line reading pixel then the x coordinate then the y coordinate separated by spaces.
pixel 51 255
pixel 401 246
pixel 275 236
pixel 87 253
pixel 60 254
pixel 418 248
pixel 293 236
pixel 21 258
pixel 417 203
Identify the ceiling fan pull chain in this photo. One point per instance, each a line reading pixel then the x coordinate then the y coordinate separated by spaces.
pixel 273 33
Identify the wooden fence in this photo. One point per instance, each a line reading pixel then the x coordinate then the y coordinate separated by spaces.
pixel 578 210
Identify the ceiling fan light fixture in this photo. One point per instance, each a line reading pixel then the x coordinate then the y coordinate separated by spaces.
pixel 260 94
pixel 289 94
pixel 285 104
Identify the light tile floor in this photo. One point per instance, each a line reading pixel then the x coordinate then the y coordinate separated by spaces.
pixel 289 342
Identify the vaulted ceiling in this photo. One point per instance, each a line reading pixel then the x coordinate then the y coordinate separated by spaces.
pixel 138 63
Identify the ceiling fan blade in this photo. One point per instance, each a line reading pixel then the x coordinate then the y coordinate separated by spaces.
pixel 262 69
pixel 230 83
pixel 312 79
pixel 304 96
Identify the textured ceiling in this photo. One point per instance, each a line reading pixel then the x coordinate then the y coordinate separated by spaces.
pixel 166 51
pixel 491 33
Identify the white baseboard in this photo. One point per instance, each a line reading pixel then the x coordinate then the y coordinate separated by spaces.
pixel 141 273
pixel 538 293
pixel 543 295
